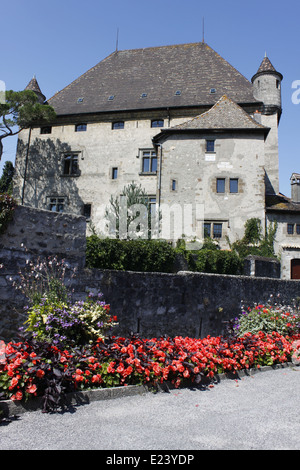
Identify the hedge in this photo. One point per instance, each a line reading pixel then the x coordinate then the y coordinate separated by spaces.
pixel 156 256
pixel 130 255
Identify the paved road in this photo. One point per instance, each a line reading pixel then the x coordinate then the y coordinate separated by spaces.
pixel 259 412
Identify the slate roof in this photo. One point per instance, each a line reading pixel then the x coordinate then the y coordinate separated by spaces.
pixel 225 114
pixel 34 86
pixel 266 67
pixel 159 72
pixel 281 203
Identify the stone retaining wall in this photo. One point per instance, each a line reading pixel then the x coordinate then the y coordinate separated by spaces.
pixel 34 233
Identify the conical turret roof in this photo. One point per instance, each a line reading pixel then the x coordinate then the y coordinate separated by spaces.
pixel 266 67
pixel 34 86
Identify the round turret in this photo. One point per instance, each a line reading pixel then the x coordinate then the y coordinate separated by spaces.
pixel 34 86
pixel 267 87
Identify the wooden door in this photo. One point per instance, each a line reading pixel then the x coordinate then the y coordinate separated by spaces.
pixel 295 269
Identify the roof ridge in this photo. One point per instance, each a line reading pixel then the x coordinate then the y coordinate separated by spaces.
pixel 162 47
pixel 209 111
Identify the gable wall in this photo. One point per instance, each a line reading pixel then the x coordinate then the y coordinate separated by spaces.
pixel 185 160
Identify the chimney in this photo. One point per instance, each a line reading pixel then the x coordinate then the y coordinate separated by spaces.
pixel 295 187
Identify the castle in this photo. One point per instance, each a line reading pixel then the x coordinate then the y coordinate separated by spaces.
pixel 200 139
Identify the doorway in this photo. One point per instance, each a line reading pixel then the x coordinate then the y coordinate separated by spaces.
pixel 295 269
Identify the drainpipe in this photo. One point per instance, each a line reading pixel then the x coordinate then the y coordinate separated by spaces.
pixel 26 165
pixel 159 175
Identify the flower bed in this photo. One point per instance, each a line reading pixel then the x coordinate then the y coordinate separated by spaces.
pixel 33 368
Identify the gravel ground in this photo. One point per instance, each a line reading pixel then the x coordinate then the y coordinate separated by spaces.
pixel 260 412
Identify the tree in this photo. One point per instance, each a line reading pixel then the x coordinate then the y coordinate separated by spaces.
pixel 254 242
pixel 6 178
pixel 20 111
pixel 131 215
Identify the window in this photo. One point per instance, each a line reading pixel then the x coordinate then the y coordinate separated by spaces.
pixel 210 146
pixel 291 229
pixel 149 164
pixel 207 230
pixel 152 204
pixel 174 185
pixel 46 130
pixel 71 164
pixel 80 100
pixel 157 123
pixel 87 210
pixel 217 233
pixel 220 185
pixel 144 95
pixel 80 127
pixel 213 90
pixel 114 173
pixel 118 125
pixel 177 93
pixel 213 229
pixel 56 204
pixel 234 185
pixel 111 97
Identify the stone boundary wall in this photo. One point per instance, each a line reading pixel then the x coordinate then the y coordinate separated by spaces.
pixel 186 303
pixel 260 266
pixel 151 304
pixel 34 233
pixel 155 304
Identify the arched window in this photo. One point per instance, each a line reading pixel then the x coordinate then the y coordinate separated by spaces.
pixel 157 123
pixel 80 127
pixel 118 125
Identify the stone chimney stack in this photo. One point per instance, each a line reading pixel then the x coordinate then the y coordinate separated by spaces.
pixel 295 187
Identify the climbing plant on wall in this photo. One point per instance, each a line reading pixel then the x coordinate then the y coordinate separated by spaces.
pixel 7 207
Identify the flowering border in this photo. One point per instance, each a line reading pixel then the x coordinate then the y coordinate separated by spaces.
pixel 31 369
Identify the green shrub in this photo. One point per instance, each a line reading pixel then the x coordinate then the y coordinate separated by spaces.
pixel 267 318
pixel 130 255
pixel 215 261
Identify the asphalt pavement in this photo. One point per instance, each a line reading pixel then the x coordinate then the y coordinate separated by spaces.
pixel 260 412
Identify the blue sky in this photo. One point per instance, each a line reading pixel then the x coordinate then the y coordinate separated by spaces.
pixel 58 40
